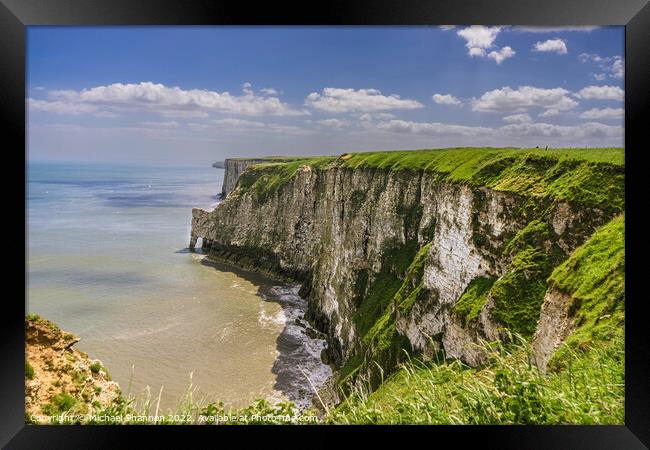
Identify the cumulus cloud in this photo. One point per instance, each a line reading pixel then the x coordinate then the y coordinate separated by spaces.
pixel 617 68
pixel 334 123
pixel 500 55
pixel 479 39
pixel 517 118
pixel 158 98
pixel 520 99
pixel 269 91
pixel 337 100
pixel 551 45
pixel 604 113
pixel 446 27
pixel 611 66
pixel 601 93
pixel 432 128
pixel 258 126
pixel 446 99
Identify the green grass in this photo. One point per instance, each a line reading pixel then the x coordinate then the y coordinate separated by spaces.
pixel 590 176
pixel 60 403
pixel 264 179
pixel 413 284
pixel 29 371
pixel 464 162
pixel 469 305
pixel 518 294
pixel 95 367
pixel 509 390
pixel 594 277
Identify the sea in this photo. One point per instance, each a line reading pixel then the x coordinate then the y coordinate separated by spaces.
pixel 108 260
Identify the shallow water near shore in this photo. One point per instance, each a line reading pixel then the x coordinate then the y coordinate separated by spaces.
pixel 107 261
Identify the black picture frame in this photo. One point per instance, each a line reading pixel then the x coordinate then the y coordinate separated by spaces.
pixel 16 15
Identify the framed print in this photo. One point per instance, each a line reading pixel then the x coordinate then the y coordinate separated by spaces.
pixel 410 217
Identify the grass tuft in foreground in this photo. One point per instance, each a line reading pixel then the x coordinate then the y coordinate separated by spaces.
pixel 509 390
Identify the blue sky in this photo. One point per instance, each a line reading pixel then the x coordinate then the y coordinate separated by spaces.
pixel 193 95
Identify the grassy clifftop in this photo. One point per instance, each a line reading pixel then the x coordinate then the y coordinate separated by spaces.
pixel 589 176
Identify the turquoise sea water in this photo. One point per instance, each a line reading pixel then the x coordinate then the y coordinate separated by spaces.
pixel 107 260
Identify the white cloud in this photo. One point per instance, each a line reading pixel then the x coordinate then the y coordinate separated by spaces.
pixel 586 57
pixel 269 91
pixel 522 98
pixel 478 38
pixel 446 27
pixel 158 98
pixel 528 133
pixel 517 118
pixel 432 128
pixel 588 130
pixel 551 45
pixel 250 125
pixel 500 55
pixel 549 112
pixel 612 66
pixel 376 116
pixel 334 123
pixel 605 113
pixel 337 100
pixel 446 99
pixel 59 107
pixel 617 68
pixel 239 123
pixel 184 114
pixel 168 124
pixel 601 93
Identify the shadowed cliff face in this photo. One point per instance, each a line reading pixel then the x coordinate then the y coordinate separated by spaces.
pixel 233 169
pixel 386 256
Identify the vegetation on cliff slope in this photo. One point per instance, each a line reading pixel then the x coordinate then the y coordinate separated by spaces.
pixel 586 382
pixel 594 277
pixel 508 390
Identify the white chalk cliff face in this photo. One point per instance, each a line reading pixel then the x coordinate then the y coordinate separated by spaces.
pixel 336 229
